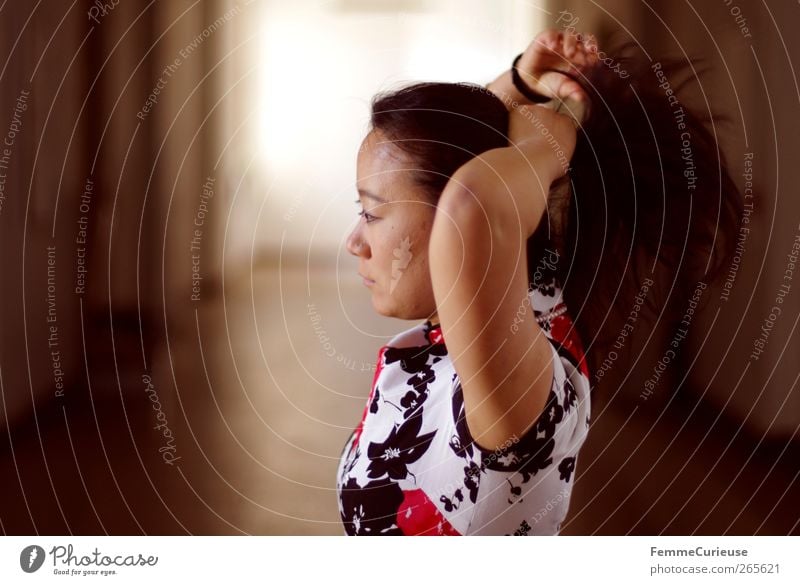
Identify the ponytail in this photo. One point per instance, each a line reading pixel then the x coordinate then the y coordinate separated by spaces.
pixel 648 199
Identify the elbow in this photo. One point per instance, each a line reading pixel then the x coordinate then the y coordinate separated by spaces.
pixel 460 213
pixel 472 193
pixel 475 205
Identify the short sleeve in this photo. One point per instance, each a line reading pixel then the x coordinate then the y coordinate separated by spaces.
pixel 525 487
pixel 560 429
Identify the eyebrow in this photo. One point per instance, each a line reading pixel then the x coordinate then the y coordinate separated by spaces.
pixel 364 193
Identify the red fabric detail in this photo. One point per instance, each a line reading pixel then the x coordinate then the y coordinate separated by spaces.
pixel 418 516
pixel 378 368
pixel 563 330
pixel 436 336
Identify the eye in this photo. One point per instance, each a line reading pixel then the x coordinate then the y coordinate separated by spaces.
pixel 368 217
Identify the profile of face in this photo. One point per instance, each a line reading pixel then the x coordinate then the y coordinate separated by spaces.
pixel 392 235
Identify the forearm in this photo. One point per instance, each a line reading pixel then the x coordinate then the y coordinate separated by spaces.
pixel 503 87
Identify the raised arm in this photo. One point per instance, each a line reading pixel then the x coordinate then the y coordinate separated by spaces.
pixel 479 272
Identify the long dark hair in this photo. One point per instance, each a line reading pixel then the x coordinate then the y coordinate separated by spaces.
pixel 648 194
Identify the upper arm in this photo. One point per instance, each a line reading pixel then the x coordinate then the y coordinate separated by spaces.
pixel 479 273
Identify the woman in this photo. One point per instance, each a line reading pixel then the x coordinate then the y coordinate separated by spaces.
pixel 476 416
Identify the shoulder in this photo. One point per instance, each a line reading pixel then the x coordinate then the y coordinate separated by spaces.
pixel 417 335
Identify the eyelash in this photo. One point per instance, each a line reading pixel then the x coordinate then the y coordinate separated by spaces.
pixel 368 217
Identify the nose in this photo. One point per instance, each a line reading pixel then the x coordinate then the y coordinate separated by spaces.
pixel 356 244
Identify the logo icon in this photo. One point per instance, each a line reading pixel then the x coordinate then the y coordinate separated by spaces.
pixel 31 558
pixel 402 256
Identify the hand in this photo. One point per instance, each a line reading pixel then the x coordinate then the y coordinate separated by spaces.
pixel 550 54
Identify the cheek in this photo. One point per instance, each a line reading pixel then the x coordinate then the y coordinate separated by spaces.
pixel 412 258
pixel 401 247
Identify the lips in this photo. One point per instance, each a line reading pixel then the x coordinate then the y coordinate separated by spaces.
pixel 366 280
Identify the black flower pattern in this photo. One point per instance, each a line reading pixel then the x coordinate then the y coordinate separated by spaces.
pixel 372 509
pixel 552 414
pixel 523 530
pixel 373 407
pixel 453 503
pixel 566 467
pixel 414 361
pixel 547 286
pixel 403 446
pixel 412 402
pixel 462 449
pixel 570 395
pixel 472 480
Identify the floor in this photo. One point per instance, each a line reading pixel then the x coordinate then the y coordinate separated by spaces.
pixel 259 387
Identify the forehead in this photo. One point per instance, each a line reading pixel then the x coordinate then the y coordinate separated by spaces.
pixel 381 162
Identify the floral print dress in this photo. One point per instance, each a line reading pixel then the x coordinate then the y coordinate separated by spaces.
pixel 411 466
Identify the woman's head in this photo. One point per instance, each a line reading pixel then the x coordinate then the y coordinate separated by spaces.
pixel 420 135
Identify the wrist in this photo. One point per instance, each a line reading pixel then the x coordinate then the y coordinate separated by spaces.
pixel 522 81
pixel 503 88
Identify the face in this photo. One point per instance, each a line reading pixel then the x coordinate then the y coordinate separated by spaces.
pixel 391 237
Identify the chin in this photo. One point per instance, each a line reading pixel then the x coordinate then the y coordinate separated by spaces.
pixel 379 307
pixel 385 309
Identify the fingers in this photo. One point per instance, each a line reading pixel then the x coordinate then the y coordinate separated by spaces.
pixel 590 42
pixel 552 58
pixel 543 50
pixel 579 50
pixel 571 43
pixel 576 48
pixel 548 39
